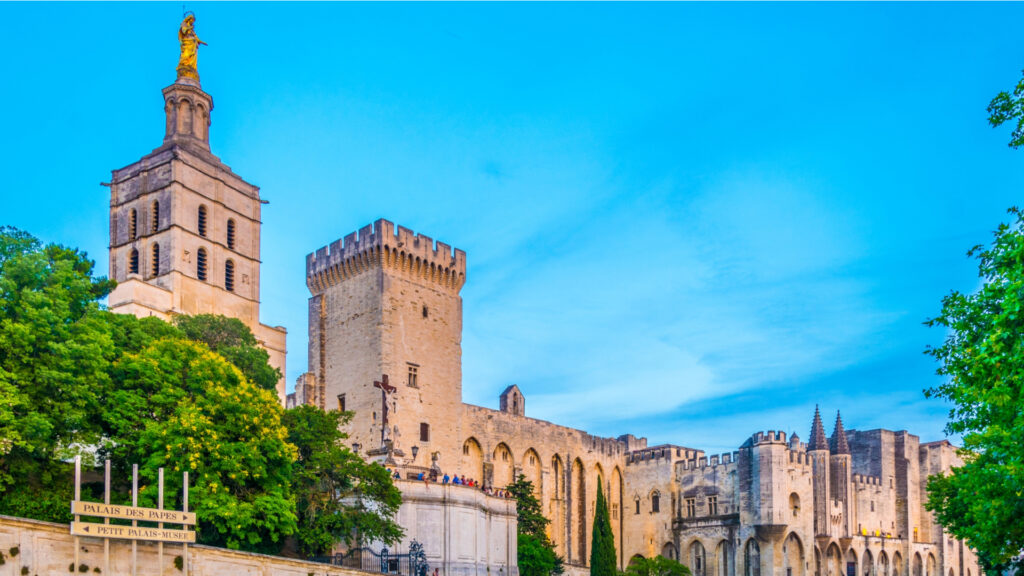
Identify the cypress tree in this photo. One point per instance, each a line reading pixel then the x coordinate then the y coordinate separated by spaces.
pixel 602 543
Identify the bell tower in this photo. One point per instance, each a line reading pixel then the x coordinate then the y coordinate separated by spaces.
pixel 184 228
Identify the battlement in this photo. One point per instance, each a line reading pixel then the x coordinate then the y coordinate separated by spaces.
pixel 769 437
pixel 382 244
pixel 663 453
pixel 797 457
pixel 727 459
pixel 866 480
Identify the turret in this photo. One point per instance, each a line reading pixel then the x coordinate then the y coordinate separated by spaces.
pixel 817 451
pixel 840 463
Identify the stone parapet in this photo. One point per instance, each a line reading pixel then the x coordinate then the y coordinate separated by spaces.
pixel 383 245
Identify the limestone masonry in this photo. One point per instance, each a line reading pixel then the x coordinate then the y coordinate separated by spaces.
pixel 185 238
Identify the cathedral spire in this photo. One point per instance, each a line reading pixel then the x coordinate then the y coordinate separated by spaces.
pixel 839 444
pixel 818 440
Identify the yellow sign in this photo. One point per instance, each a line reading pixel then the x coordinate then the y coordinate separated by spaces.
pixel 132 533
pixel 132 513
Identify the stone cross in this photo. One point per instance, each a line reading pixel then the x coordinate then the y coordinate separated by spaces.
pixel 385 389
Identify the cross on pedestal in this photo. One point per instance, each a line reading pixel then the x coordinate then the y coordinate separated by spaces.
pixel 385 389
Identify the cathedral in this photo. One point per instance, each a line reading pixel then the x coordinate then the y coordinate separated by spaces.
pixel 385 332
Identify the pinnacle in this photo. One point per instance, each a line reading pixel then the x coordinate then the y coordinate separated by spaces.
pixel 818 440
pixel 838 443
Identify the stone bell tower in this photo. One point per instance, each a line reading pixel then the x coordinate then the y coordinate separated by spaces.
pixel 184 228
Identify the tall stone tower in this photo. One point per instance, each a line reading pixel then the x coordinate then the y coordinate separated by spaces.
pixel 185 229
pixel 386 301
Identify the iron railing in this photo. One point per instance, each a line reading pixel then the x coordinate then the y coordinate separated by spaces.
pixel 414 563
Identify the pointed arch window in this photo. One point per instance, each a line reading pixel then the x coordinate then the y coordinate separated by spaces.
pixel 133 224
pixel 202 221
pixel 229 276
pixel 231 234
pixel 133 262
pixel 156 216
pixel 156 260
pixel 201 264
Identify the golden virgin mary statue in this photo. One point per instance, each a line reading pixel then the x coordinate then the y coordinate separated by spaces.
pixel 189 48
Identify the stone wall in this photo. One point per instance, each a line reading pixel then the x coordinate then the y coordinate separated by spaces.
pixel 47 549
pixel 464 531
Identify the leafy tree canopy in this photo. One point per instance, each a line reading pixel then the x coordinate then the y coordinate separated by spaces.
pixel 232 339
pixel 339 496
pixel 75 379
pixel 1006 107
pixel 657 566
pixel 535 552
pixel 53 358
pixel 982 358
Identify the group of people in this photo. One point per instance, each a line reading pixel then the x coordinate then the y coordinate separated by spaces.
pixel 428 477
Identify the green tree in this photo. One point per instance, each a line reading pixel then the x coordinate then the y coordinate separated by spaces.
pixel 602 540
pixel 339 496
pixel 54 356
pixel 232 339
pixel 982 359
pixel 1005 107
pixel 657 566
pixel 535 552
pixel 177 405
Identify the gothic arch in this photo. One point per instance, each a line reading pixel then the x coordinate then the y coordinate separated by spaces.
pixel 930 567
pixel 867 564
pixel 578 507
pixel 668 550
pixel 751 558
pixel 696 558
pixel 897 564
pixel 851 558
pixel 883 564
pixel 503 466
pixel 472 463
pixel 724 558
pixel 833 561
pixel 531 467
pixel 556 511
pixel 917 565
pixel 616 511
pixel 793 556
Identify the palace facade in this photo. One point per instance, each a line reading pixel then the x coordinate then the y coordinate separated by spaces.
pixel 384 300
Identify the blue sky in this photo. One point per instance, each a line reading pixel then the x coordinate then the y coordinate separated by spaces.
pixel 684 221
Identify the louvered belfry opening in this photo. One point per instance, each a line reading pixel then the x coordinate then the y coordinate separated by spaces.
pixel 202 221
pixel 156 259
pixel 229 276
pixel 201 264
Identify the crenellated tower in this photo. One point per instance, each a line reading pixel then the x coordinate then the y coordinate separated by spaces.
pixel 185 229
pixel 386 301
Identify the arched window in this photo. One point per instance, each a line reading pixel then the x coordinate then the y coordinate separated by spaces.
pixel 231 234
pixel 133 224
pixel 202 221
pixel 156 260
pixel 794 503
pixel 133 261
pixel 655 502
pixel 229 276
pixel 156 216
pixel 201 264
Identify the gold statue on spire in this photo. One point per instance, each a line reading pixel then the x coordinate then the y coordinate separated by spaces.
pixel 189 48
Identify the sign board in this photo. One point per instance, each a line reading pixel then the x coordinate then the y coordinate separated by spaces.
pixel 132 513
pixel 132 532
